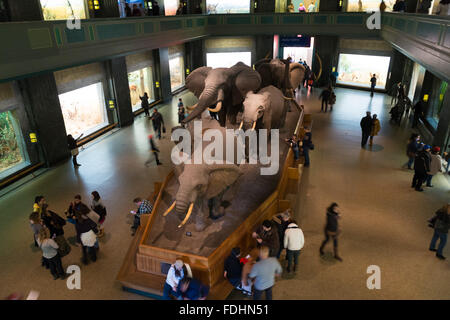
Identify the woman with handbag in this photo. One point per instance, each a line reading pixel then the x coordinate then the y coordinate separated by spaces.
pixel 87 236
pixel 331 229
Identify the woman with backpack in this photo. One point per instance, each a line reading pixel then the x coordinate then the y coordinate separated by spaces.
pixel 440 223
pixel 87 236
pixel 50 254
pixel 98 207
pixel 55 224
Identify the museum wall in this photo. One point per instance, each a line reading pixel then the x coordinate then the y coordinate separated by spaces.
pixel 24 10
pixel 398 64
pixel 231 45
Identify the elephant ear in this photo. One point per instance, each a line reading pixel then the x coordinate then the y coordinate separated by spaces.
pixel 221 177
pixel 246 79
pixel 195 82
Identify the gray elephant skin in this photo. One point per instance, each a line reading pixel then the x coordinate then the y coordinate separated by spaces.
pixel 280 74
pixel 267 108
pixel 221 90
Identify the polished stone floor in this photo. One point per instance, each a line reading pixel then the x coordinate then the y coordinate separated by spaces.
pixel 384 220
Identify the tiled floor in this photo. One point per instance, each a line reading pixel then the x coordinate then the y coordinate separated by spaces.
pixel 384 220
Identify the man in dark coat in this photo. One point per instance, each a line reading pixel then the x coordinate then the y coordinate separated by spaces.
pixel 325 95
pixel 267 235
pixel 418 111
pixel 366 127
pixel 158 122
pixel 421 167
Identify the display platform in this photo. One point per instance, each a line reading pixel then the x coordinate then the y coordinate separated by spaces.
pixel 161 242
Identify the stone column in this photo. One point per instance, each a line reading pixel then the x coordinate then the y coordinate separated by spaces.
pixel 443 129
pixel 166 92
pixel 24 10
pixel 119 77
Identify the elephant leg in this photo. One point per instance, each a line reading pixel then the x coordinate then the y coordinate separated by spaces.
pixel 201 218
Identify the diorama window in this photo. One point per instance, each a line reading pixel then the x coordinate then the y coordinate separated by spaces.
pixel 63 9
pixel 84 110
pixel 176 66
pixel 228 59
pixel 140 81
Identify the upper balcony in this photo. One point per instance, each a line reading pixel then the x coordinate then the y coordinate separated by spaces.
pixel 42 46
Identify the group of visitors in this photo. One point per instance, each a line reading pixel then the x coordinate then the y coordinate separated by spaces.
pixel 302 8
pixel 48 230
pixel 301 146
pixel 370 127
pixel 423 6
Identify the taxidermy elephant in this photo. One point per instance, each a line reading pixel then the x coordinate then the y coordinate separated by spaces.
pixel 202 188
pixel 281 74
pixel 221 90
pixel 267 107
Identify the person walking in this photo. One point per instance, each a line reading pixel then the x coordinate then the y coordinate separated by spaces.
pixel 144 104
pixel 421 167
pixel 263 274
pixel 177 271
pixel 325 95
pixel 72 143
pixel 266 235
pixel 98 207
pixel 373 83
pixel 50 254
pixel 55 224
pixel 154 149
pixel 294 241
pixel 181 111
pixel 435 165
pixel 440 223
pixel 144 206
pixel 332 229
pixel 412 148
pixel 87 236
pixel 158 123
pixel 375 128
pixel 366 128
pixel 281 221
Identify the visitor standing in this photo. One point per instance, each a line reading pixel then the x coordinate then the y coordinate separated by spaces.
pixel 435 165
pixel 366 128
pixel 144 104
pixel 136 11
pixel 144 206
pixel 382 6
pixel 36 226
pixel 158 123
pixel 154 150
pixel 421 168
pixel 399 6
pixel 443 8
pixel 312 7
pixel 281 221
pixel 375 128
pixel 87 236
pixel 177 271
pixel 55 224
pixel 373 83
pixel 332 229
pixel 263 274
pixel 181 111
pixel 440 223
pixel 155 8
pixel 412 148
pixel 294 144
pixel 334 77
pixel 98 207
pixel 73 147
pixel 418 113
pixel 325 95
pixel 307 145
pixel 294 241
pixel 179 9
pixel 142 9
pixel 291 8
pixel 39 202
pixel 128 12
pixel 301 8
pixel 266 235
pixel 233 268
pixel 50 254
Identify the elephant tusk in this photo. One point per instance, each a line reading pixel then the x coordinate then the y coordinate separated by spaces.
pixel 254 125
pixel 217 108
pixel 240 126
pixel 170 209
pixel 188 214
pixel 192 107
pixel 287 98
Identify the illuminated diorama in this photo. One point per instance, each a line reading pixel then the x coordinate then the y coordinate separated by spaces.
pixel 357 69
pixel 140 81
pixel 176 66
pixel 227 59
pixel 12 149
pixel 170 7
pixel 63 9
pixel 84 110
pixel 368 5
pixel 227 6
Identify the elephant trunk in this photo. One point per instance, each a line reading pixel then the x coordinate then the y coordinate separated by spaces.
pixel 209 97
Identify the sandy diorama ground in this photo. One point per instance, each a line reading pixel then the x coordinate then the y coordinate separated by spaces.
pixel 251 190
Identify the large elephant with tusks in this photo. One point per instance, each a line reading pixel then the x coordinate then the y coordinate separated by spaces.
pixel 221 90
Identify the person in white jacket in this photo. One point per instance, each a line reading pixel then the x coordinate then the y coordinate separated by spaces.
pixel 435 165
pixel 293 242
